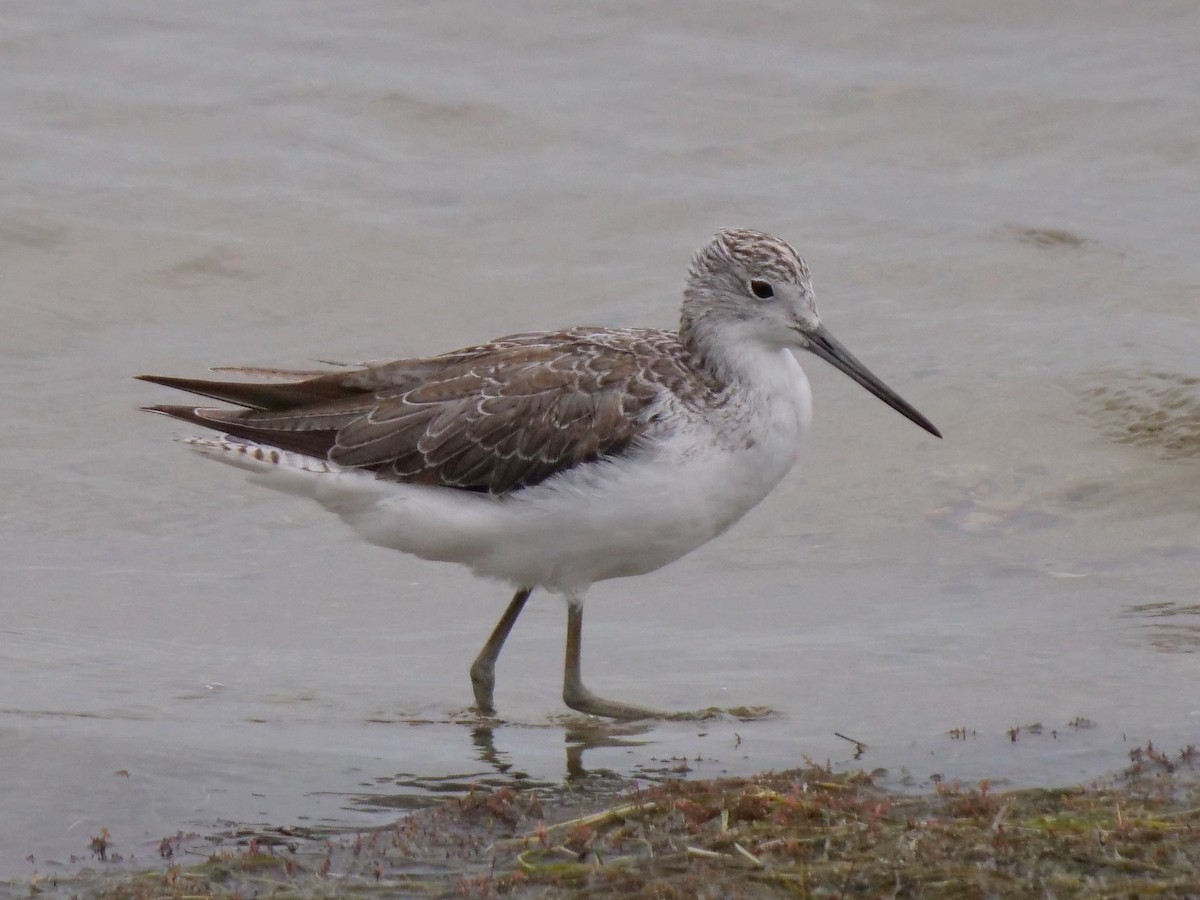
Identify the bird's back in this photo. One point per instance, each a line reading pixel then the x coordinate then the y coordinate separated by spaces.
pixel 494 418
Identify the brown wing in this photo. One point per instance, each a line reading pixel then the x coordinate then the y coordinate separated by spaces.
pixel 493 418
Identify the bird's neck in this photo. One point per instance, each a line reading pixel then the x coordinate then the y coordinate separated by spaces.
pixel 768 378
pixel 722 353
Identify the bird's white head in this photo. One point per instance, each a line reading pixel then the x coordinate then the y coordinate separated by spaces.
pixel 748 289
pixel 749 286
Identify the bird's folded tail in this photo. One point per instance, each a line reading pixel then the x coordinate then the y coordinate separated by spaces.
pixel 258 458
pixel 345 491
pixel 282 470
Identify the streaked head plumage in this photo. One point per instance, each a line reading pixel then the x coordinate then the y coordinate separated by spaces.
pixel 748 285
pixel 753 252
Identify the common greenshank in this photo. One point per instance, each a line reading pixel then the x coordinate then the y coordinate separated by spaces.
pixel 554 459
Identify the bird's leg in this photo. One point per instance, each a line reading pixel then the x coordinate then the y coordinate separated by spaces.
pixel 483 670
pixel 578 697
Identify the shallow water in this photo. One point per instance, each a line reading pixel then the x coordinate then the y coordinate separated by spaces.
pixel 998 207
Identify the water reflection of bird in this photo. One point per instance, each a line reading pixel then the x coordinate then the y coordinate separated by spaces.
pixel 555 459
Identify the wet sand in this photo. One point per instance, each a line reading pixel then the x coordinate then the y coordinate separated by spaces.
pixel 998 208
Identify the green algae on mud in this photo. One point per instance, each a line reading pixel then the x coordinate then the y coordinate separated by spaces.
pixel 804 833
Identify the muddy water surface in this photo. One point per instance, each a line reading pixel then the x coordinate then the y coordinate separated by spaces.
pixel 998 208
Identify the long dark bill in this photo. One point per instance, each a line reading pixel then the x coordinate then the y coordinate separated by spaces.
pixel 830 349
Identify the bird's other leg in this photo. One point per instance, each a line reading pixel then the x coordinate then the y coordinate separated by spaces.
pixel 578 697
pixel 483 670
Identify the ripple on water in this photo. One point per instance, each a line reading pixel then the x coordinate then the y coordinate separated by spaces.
pixel 1158 410
pixel 1170 627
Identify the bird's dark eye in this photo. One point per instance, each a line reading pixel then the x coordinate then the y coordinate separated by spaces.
pixel 762 289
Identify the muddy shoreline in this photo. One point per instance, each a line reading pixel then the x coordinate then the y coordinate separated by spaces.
pixel 807 832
